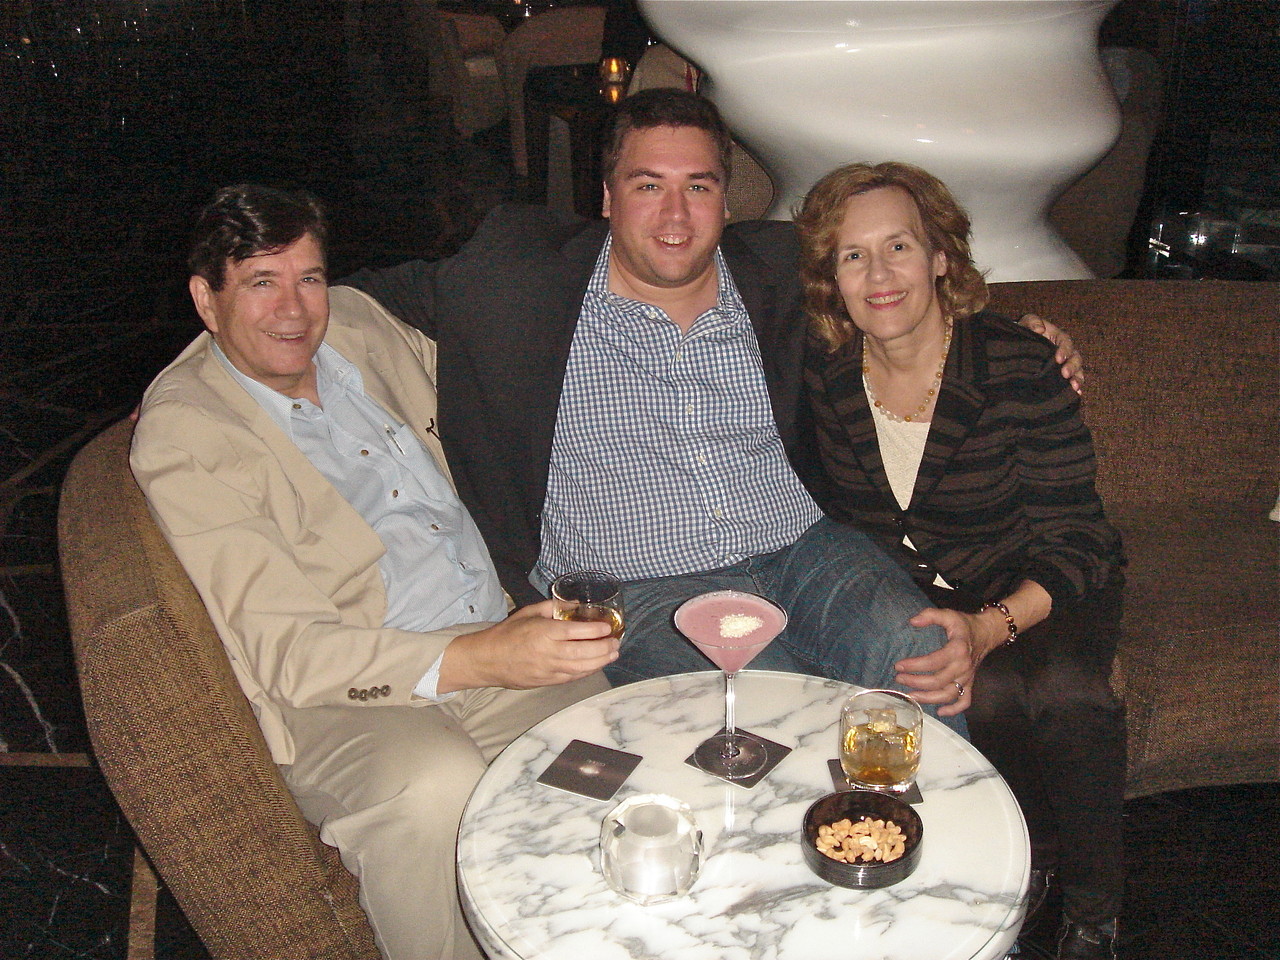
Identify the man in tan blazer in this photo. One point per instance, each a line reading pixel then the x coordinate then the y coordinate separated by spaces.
pixel 291 456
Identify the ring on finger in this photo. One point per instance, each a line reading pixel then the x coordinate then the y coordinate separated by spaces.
pixel 959 688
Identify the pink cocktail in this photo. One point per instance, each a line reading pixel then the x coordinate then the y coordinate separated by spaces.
pixel 730 628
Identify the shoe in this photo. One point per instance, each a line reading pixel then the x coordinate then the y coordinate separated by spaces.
pixel 1037 890
pixel 1087 941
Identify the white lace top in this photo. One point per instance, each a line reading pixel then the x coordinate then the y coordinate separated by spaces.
pixel 901 448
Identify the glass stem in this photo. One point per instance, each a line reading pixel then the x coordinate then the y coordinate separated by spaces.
pixel 729 727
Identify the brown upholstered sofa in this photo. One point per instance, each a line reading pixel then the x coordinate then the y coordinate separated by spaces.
pixel 1182 398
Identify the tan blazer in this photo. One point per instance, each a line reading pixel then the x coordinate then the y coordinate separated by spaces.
pixel 287 568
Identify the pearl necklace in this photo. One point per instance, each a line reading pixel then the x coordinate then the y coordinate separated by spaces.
pixel 884 411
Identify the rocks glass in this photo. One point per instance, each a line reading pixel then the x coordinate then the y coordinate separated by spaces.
pixel 880 733
pixel 590 595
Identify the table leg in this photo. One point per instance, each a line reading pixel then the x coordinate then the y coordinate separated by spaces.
pixel 585 131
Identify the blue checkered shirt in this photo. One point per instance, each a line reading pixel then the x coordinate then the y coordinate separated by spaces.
pixel 666 458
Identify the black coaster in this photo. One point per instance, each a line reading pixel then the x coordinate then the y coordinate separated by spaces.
pixel 774 755
pixel 910 795
pixel 589 769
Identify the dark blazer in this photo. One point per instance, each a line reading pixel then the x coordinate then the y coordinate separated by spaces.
pixel 1006 484
pixel 503 311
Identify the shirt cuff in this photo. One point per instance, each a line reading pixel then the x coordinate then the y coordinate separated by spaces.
pixel 427 686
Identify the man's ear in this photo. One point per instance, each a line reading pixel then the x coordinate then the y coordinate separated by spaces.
pixel 604 205
pixel 202 296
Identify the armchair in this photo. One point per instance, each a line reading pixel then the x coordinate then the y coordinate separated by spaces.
pixel 461 51
pixel 177 741
pixel 564 35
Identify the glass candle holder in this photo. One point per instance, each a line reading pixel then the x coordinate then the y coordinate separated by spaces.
pixel 650 848
pixel 613 70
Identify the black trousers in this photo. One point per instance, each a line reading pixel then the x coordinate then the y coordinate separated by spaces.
pixel 1043 713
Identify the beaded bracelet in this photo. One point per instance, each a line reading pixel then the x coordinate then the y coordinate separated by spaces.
pixel 1008 619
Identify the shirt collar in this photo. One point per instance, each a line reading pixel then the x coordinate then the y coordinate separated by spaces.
pixel 332 370
pixel 729 305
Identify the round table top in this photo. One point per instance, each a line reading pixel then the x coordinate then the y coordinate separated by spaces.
pixel 529 864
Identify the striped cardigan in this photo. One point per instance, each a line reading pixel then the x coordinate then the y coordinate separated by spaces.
pixel 1005 490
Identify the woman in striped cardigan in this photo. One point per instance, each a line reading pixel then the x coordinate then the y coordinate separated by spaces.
pixel 949 435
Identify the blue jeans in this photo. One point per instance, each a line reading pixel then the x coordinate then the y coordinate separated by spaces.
pixel 847 609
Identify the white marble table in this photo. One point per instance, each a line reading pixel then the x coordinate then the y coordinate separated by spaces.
pixel 528 858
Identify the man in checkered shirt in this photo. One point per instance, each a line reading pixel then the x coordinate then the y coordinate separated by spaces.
pixel 625 396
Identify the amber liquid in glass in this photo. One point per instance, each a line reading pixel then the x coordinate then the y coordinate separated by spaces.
pixel 880 754
pixel 593 613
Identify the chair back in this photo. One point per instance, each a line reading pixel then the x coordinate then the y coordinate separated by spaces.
pixel 558 37
pixel 178 742
pixel 460 50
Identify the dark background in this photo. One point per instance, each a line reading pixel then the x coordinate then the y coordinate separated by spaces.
pixel 118 119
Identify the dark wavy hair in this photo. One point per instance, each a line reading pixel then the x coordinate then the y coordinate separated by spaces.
pixel 247 220
pixel 961 290
pixel 665 107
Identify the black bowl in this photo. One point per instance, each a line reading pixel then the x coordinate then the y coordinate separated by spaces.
pixel 854 805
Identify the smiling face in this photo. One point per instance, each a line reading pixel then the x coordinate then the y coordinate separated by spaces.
pixel 270 316
pixel 885 270
pixel 666 207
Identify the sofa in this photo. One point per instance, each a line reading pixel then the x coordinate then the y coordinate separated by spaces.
pixel 1182 396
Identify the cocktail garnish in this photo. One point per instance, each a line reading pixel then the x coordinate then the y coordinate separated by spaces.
pixel 735 625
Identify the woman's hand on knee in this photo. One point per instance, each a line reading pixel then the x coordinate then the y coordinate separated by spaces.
pixel 944 676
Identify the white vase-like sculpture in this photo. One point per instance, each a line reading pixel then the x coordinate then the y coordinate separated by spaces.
pixel 1004 100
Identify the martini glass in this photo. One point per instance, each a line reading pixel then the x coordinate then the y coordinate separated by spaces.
pixel 730 628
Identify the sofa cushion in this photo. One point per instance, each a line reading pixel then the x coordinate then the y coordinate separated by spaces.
pixel 1201 646
pixel 1181 391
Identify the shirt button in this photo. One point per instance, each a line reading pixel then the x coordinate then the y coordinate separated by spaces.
pixel 435 526
pixel 718 513
pixel 462 565
pixel 470 609
pixel 395 493
pixel 297 406
pixel 701 458
pixel 688 408
pixel 364 453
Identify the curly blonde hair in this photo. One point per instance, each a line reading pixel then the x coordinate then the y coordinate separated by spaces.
pixel 961 290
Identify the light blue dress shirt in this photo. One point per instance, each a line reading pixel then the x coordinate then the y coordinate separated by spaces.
pixel 436 570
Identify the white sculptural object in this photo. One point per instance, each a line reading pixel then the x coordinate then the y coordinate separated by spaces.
pixel 1004 100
